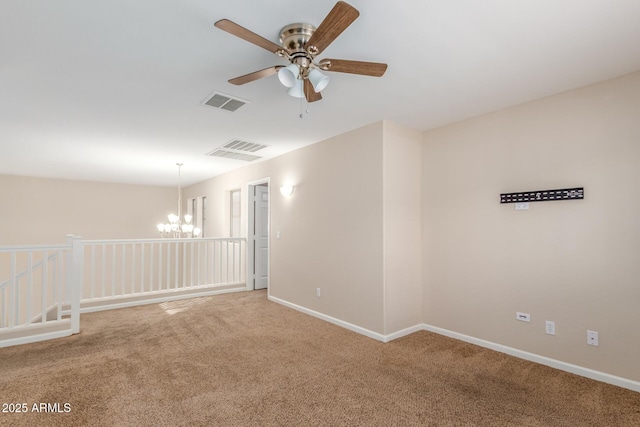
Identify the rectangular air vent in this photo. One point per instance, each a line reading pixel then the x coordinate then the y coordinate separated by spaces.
pixel 225 102
pixel 232 155
pixel 240 145
pixel 237 149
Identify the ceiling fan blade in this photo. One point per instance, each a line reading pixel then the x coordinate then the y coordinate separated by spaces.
pixel 309 93
pixel 255 75
pixel 375 69
pixel 239 31
pixel 340 17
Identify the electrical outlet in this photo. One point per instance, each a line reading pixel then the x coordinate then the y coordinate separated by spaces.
pixel 592 338
pixel 523 317
pixel 318 292
pixel 550 327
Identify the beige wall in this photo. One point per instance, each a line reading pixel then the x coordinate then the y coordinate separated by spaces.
pixel 573 262
pixel 331 228
pixel 402 190
pixel 43 211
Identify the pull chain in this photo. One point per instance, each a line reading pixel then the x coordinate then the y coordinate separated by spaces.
pixel 301 115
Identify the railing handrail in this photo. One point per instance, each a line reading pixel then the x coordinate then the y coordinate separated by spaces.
pixel 164 240
pixel 25 272
pixel 33 248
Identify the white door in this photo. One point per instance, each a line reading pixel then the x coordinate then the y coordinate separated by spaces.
pixel 260 236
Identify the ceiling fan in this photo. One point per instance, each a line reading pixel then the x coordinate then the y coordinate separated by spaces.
pixel 300 44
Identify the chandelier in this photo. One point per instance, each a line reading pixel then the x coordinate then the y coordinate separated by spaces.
pixel 179 226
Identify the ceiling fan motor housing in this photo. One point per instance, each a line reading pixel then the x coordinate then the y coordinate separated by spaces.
pixel 294 37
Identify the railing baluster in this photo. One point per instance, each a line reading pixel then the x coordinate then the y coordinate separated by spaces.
pixel 220 262
pixel 234 261
pixel 184 264
pixel 133 268
pixel 103 268
pixel 177 267
pixel 43 285
pixel 142 267
pixel 198 245
pixel 14 294
pixel 151 250
pixel 28 302
pixel 206 263
pixel 93 270
pixel 214 268
pixel 113 269
pixel 160 266
pixel 123 248
pixel 227 245
pixel 191 256
pixel 57 283
pixel 168 265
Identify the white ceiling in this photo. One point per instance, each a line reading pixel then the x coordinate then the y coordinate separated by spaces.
pixel 111 90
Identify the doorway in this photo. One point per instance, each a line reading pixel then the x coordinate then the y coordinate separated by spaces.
pixel 258 235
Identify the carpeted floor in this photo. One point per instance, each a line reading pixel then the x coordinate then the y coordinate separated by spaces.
pixel 240 360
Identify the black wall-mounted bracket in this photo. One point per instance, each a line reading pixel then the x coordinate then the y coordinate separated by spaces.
pixel 543 195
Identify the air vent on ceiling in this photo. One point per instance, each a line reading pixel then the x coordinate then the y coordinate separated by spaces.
pixel 237 149
pixel 240 145
pixel 232 155
pixel 225 102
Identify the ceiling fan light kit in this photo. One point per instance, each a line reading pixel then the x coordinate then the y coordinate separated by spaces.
pixel 300 43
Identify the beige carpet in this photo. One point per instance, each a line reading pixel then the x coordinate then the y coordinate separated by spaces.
pixel 240 360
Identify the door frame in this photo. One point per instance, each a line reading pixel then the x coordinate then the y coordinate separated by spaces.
pixel 250 243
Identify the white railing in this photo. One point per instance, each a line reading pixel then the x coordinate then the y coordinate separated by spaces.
pixel 49 286
pixel 151 269
pixel 42 289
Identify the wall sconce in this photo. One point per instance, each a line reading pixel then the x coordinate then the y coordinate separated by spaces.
pixel 286 190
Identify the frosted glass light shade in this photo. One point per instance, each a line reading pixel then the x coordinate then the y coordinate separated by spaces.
pixel 318 80
pixel 286 190
pixel 288 75
pixel 297 91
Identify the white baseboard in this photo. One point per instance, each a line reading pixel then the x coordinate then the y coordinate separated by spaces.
pixel 553 363
pixel 35 333
pixel 135 300
pixel 342 323
pixel 403 332
pixel 547 361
